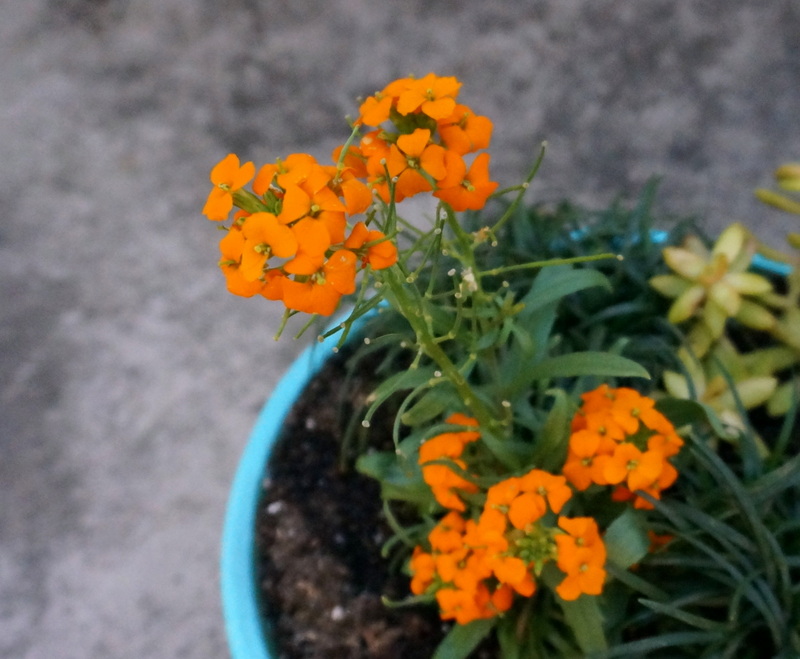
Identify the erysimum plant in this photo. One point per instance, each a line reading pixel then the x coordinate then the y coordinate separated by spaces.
pixel 595 450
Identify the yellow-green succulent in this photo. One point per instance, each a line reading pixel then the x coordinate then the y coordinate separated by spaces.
pixel 715 285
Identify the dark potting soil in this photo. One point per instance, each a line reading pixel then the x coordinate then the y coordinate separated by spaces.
pixel 320 529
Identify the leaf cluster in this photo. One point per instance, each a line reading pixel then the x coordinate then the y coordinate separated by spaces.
pixel 524 342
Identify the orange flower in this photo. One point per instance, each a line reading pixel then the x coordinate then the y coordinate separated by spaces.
pixel 583 531
pixel 473 190
pixel 431 95
pixel 446 536
pixel 464 132
pixel 605 447
pixel 514 572
pixel 584 575
pixel 630 465
pixel 314 295
pixel 581 556
pixel 321 291
pixel 463 606
pixel 459 419
pixel 669 444
pixel 293 170
pixel 444 482
pixel 413 161
pixel 356 195
pixel 585 459
pixel 666 478
pixel 380 255
pixel 376 109
pixel 273 284
pixel 441 478
pixel 548 486
pixel 525 499
pixel 316 200
pixel 354 160
pixel 227 177
pixel 423 570
pixel 264 237
pixel 313 241
pixel 231 248
pixel 340 271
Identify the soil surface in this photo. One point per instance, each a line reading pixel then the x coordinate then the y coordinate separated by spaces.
pixel 320 532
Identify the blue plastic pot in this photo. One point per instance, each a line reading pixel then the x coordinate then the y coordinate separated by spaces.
pixel 244 623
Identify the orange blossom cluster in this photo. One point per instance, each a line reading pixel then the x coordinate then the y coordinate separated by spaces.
pixel 477 563
pixel 620 439
pixel 304 224
pixel 297 245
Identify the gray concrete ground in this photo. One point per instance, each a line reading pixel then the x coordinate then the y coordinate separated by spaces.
pixel 130 378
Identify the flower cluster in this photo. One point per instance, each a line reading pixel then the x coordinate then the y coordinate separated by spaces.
pixel 440 476
pixel 419 139
pixel 477 562
pixel 298 209
pixel 618 438
pixel 475 567
pixel 298 214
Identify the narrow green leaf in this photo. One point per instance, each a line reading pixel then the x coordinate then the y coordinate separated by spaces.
pixel 551 447
pixel 626 539
pixel 643 647
pixel 684 616
pixel 556 282
pixel 401 381
pixel 463 639
pixel 773 483
pixel 636 583
pixel 398 481
pixel 430 405
pixel 583 615
pixel 586 363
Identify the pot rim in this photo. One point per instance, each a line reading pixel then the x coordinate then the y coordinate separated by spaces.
pixel 245 628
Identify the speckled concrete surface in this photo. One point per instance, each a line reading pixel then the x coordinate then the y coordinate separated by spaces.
pixel 130 379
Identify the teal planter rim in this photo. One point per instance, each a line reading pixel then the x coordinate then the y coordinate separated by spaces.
pixel 246 630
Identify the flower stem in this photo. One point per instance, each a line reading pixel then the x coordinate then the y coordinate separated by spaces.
pixel 542 264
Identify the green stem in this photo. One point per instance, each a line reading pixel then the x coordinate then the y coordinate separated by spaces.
pixel 542 264
pixel 249 202
pixel 522 188
pixel 411 308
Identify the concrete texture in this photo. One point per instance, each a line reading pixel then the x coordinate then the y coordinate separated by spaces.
pixel 130 378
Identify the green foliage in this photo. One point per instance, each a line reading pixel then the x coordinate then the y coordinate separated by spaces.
pixel 504 325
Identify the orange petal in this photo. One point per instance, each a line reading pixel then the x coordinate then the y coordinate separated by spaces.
pixel 526 509
pixel 357 237
pixel 414 144
pixel 340 271
pixel 312 236
pixel 296 205
pixel 225 170
pixel 218 205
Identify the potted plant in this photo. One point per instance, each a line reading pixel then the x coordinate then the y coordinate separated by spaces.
pixel 591 446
